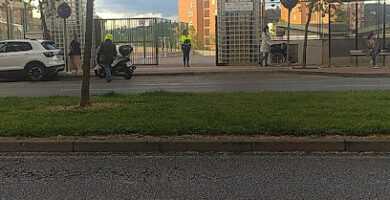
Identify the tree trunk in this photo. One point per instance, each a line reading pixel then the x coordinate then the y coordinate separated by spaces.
pixel 46 34
pixel 87 56
pixel 306 35
pixel 8 20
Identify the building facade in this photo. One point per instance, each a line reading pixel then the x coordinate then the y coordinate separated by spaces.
pixel 200 17
pixel 21 20
pixel 299 15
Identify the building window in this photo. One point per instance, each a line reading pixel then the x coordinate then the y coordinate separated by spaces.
pixel 206 4
pixel 206 13
pixel 207 22
pixel 213 2
pixel 207 32
pixel 191 23
pixel 190 14
pixel 192 4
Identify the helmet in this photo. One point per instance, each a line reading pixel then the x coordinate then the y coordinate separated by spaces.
pixel 109 37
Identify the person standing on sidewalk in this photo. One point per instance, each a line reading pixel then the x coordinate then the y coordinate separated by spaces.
pixel 265 46
pixel 186 47
pixel 106 55
pixel 373 49
pixel 75 55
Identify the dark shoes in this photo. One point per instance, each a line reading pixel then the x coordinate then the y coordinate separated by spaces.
pixel 109 80
pixel 261 64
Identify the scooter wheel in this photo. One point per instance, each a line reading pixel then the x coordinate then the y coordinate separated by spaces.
pixel 128 74
pixel 100 73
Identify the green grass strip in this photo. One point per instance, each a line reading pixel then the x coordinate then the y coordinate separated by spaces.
pixel 359 113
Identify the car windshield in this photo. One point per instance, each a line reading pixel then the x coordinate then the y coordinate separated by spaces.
pixel 2 47
pixel 49 46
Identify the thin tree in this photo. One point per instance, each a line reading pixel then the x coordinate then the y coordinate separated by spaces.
pixel 313 6
pixel 46 8
pixel 87 56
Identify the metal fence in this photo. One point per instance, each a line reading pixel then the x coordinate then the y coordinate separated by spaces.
pixel 149 36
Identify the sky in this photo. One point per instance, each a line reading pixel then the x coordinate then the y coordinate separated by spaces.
pixel 137 8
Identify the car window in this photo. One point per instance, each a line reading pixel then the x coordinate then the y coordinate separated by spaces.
pixel 18 47
pixel 2 47
pixel 49 46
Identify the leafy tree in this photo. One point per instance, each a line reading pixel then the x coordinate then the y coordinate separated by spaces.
pixel 342 15
pixel 313 6
pixel 197 44
pixel 273 15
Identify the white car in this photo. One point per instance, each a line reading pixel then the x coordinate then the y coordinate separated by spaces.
pixel 35 59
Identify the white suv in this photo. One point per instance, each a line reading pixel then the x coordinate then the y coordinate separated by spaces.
pixel 35 59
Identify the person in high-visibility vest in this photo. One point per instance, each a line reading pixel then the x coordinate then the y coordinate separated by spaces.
pixel 186 47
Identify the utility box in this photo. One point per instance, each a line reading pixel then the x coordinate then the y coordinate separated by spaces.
pixel 239 25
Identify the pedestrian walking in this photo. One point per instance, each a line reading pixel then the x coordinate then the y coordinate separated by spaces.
pixel 75 55
pixel 186 47
pixel 265 46
pixel 106 55
pixel 373 49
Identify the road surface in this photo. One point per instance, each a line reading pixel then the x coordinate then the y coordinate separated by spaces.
pixel 215 82
pixel 193 176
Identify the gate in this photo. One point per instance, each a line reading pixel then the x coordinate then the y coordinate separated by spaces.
pixel 141 33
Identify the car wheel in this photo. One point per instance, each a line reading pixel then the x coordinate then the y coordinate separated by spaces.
pixel 35 72
pixel 277 59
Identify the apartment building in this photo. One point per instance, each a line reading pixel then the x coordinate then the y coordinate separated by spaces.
pixel 299 14
pixel 200 14
pixel 16 13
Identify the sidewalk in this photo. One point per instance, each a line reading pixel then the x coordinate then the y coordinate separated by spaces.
pixel 364 72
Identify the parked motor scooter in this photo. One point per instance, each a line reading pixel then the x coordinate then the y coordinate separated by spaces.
pixel 122 65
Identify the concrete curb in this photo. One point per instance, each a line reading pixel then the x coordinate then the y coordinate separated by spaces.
pixel 281 71
pixel 338 74
pixel 334 145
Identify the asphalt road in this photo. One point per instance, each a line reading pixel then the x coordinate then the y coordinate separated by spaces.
pixel 222 82
pixel 193 176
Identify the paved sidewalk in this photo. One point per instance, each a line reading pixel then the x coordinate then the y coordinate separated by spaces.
pixel 332 71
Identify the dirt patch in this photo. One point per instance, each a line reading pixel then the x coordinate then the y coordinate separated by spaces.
pixel 94 106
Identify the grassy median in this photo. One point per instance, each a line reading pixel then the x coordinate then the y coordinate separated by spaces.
pixel 166 114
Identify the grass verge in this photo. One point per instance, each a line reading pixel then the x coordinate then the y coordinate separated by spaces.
pixel 359 113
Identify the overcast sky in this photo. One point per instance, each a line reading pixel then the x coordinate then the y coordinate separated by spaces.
pixel 137 8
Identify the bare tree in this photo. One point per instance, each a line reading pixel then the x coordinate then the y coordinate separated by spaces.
pixel 87 56
pixel 46 8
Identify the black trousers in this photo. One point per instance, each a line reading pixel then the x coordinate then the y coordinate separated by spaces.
pixel 186 56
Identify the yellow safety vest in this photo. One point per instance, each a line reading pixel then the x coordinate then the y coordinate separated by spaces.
pixel 184 38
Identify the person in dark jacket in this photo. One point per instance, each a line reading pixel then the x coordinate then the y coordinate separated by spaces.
pixel 75 55
pixel 106 55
